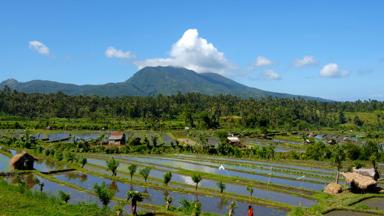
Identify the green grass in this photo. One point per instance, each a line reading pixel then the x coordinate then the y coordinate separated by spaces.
pixel 344 201
pixel 14 203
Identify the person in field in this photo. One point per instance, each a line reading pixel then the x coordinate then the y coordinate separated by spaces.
pixel 250 210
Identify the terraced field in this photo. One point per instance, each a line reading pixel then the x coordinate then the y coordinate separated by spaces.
pixel 277 187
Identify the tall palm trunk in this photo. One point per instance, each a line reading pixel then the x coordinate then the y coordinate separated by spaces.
pixel 337 176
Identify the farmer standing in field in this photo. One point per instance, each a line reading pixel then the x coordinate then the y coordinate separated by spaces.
pixel 250 210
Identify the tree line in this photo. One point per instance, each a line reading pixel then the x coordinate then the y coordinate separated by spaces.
pixel 195 109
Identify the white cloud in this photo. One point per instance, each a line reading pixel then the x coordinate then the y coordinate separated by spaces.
pixel 270 74
pixel 332 70
pixel 262 61
pixel 112 52
pixel 39 47
pixel 193 52
pixel 306 60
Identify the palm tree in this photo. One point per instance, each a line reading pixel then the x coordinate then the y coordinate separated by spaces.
pixel 250 190
pixel 145 173
pixel 83 162
pixel 167 178
pixel 112 165
pixel 197 209
pixel 64 196
pixel 231 208
pixel 103 193
pixel 134 197
pixel 132 170
pixel 168 201
pixel 196 178
pixel 338 156
pixel 221 186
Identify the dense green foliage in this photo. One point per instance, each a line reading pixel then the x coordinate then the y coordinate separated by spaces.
pixel 193 110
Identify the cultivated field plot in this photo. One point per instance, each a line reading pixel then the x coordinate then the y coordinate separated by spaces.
pixel 273 193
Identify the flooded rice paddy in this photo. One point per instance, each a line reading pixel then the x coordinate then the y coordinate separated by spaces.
pixel 160 165
pixel 211 184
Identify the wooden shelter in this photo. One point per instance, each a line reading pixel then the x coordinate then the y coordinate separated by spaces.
pixel 22 161
pixel 116 138
pixel 359 182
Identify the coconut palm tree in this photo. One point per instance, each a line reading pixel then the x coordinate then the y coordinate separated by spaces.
pixel 250 190
pixel 134 197
pixel 167 178
pixel 231 208
pixel 132 170
pixel 103 193
pixel 338 156
pixel 112 165
pixel 196 178
pixel 221 186
pixel 145 173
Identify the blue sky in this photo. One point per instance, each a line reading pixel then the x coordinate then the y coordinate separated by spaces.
pixel 331 49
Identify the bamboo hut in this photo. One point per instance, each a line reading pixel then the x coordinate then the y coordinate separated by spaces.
pixel 359 182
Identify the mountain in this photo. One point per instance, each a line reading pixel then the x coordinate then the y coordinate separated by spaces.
pixel 152 81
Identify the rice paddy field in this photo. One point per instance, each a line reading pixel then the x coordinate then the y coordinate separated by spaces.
pixel 278 186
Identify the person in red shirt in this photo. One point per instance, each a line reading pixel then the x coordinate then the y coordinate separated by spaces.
pixel 250 210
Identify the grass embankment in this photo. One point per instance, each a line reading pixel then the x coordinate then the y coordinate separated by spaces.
pixel 13 202
pixel 344 201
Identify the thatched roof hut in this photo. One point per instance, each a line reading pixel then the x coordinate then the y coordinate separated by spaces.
pixel 370 172
pixel 22 161
pixel 359 181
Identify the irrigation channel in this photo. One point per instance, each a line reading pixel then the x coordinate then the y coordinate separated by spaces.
pixel 80 186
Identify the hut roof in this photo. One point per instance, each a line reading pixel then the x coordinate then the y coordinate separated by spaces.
pixel 17 157
pixel 116 135
pixel 370 172
pixel 233 139
pixel 363 182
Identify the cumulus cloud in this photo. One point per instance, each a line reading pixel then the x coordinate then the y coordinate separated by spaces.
pixel 332 70
pixel 306 60
pixel 193 52
pixel 270 74
pixel 112 52
pixel 39 47
pixel 262 61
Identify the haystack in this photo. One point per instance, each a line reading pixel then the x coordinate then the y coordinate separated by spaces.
pixel 333 188
pixel 359 181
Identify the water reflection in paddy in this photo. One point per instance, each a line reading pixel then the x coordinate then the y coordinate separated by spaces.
pixel 4 167
pixel 289 166
pixel 209 204
pixel 232 188
pixel 53 188
pixel 202 168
